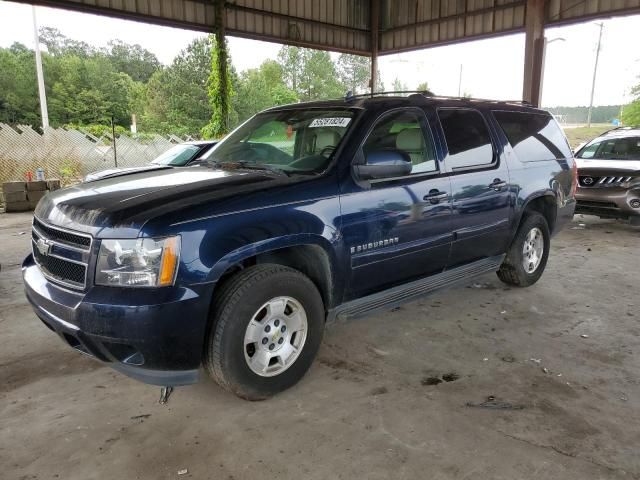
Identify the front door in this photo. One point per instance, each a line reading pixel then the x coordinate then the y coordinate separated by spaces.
pixel 397 229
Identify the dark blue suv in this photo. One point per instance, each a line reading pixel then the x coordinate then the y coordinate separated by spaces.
pixel 304 213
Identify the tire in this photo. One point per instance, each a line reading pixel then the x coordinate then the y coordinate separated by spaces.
pixel 252 296
pixel 513 271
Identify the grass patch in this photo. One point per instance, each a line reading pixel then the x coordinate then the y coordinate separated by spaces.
pixel 578 135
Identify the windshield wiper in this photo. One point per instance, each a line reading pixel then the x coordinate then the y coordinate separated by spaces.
pixel 245 165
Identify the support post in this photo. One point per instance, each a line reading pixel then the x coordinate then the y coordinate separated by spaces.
pixel 375 25
pixel 533 51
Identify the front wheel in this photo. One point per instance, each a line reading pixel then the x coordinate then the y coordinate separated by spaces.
pixel 267 328
pixel 528 254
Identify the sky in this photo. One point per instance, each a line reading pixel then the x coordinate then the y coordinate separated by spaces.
pixel 491 68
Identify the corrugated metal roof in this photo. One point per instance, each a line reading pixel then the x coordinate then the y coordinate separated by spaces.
pixel 344 25
pixel 411 24
pixel 570 11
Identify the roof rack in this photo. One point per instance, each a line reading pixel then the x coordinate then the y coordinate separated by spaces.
pixel 350 96
pixel 426 93
pixel 621 127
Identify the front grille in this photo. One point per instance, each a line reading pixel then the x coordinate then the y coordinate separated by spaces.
pixel 603 181
pixel 81 241
pixel 589 203
pixel 61 270
pixel 62 256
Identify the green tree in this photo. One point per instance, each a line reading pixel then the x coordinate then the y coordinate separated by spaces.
pixel 133 60
pixel 398 85
pixel 260 88
pixel 311 74
pixel 354 72
pixel 318 79
pixel 220 89
pixel 423 87
pixel 87 90
pixel 176 98
pixel 379 83
pixel 631 112
pixel 18 89
pixel 58 44
pixel 290 59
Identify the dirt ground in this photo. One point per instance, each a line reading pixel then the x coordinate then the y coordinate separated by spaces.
pixel 565 350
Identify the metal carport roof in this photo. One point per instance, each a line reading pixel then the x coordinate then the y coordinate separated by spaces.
pixel 346 25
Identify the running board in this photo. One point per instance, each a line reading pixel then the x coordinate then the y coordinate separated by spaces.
pixel 395 296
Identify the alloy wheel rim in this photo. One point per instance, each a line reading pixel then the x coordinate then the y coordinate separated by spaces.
pixel 532 250
pixel 275 336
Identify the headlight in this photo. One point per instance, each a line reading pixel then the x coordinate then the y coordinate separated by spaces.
pixel 140 262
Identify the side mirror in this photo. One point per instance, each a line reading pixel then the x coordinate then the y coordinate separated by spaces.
pixel 384 164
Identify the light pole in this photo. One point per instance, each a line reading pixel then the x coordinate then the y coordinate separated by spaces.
pixel 544 59
pixel 41 91
pixel 595 71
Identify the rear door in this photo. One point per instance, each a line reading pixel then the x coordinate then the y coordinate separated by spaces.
pixel 481 203
pixel 397 229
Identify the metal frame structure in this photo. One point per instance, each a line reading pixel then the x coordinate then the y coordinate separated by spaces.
pixel 368 27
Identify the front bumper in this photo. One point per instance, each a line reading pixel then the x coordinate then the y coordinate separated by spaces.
pixel 608 202
pixel 153 335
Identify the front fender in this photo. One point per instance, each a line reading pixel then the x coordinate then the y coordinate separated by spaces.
pixel 327 241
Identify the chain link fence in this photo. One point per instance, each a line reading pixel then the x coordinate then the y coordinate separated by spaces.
pixel 70 154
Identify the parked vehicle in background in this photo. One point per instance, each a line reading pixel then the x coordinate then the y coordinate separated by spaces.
pixel 181 155
pixel 303 214
pixel 609 175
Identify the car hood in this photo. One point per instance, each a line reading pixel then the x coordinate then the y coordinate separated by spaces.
pixel 112 172
pixel 120 205
pixel 627 165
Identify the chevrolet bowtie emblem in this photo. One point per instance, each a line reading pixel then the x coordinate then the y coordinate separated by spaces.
pixel 43 246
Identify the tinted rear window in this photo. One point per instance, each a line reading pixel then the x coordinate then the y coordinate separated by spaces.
pixel 533 136
pixel 467 137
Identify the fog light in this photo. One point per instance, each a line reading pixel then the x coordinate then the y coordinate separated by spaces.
pixel 635 203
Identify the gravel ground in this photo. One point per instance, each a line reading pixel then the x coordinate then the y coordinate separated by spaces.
pixel 563 353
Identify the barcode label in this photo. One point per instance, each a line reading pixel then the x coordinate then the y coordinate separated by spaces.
pixel 330 122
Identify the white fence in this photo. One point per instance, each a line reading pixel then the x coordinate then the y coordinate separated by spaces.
pixel 71 154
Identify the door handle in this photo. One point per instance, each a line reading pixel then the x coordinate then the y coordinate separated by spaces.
pixel 497 184
pixel 435 196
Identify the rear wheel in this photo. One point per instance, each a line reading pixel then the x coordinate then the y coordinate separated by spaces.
pixel 268 325
pixel 527 257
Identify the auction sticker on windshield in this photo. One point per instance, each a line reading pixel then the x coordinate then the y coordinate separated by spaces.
pixel 330 122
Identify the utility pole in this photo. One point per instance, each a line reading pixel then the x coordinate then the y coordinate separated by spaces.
pixel 460 83
pixel 41 91
pixel 595 71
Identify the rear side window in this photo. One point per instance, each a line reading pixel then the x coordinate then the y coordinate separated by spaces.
pixel 533 136
pixel 467 137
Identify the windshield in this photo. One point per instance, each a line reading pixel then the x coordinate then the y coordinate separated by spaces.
pixel 291 141
pixel 627 148
pixel 177 156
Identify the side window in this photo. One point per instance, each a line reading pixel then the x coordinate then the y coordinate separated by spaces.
pixel 404 131
pixel 467 138
pixel 533 136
